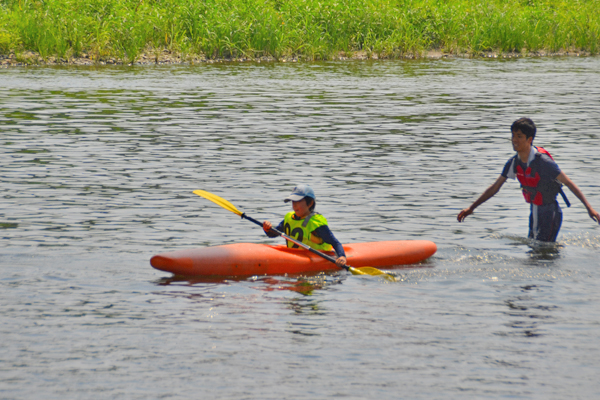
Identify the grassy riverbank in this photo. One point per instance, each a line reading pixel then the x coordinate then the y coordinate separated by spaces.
pixel 304 29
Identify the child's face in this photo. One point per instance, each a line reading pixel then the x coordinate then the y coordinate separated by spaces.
pixel 520 142
pixel 300 208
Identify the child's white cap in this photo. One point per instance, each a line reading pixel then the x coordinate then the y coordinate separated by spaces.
pixel 300 192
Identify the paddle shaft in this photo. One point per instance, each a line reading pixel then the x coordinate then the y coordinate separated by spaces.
pixel 304 246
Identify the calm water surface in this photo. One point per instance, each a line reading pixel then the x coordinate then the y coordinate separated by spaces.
pixel 98 167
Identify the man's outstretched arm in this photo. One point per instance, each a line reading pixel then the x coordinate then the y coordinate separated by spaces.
pixel 485 196
pixel 564 179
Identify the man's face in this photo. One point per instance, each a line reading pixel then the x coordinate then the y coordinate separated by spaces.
pixel 520 142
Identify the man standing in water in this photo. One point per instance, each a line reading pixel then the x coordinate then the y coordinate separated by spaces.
pixel 540 180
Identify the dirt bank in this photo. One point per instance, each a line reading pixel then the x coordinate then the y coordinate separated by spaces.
pixel 166 57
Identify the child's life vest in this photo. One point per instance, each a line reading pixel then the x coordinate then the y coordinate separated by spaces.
pixel 530 178
pixel 303 230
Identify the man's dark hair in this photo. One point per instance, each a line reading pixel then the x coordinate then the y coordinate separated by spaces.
pixel 524 125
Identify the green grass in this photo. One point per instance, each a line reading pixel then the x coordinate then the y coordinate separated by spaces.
pixel 308 29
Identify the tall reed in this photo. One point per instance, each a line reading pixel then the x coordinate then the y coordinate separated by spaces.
pixel 311 29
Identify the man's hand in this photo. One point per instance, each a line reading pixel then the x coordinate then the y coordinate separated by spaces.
pixel 464 214
pixel 594 214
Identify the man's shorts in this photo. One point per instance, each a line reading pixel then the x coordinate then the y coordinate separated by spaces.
pixel 545 222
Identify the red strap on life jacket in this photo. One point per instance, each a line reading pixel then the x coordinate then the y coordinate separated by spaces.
pixel 544 151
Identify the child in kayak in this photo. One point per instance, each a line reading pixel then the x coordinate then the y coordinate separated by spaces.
pixel 306 225
pixel 540 180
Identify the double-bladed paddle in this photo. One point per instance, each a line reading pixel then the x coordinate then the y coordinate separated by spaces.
pixel 228 206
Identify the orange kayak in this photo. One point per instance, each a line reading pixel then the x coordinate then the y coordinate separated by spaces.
pixel 248 259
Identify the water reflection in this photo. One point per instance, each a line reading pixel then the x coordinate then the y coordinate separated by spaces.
pixel 539 252
pixel 302 284
pixel 545 252
pixel 527 317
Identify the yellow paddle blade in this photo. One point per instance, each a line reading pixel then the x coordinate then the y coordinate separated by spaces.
pixel 218 200
pixel 372 271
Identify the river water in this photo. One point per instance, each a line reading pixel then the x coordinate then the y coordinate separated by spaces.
pixel 98 166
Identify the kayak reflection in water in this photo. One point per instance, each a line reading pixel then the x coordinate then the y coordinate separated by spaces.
pixel 306 225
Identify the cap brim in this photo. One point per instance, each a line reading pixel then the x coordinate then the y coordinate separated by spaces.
pixel 293 197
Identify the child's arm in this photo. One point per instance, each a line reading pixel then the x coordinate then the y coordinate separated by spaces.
pixel 325 233
pixel 267 228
